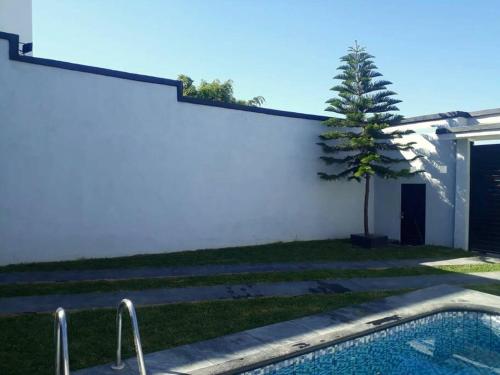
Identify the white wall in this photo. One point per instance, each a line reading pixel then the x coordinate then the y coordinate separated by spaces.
pixel 95 166
pixel 443 177
pixel 439 177
pixel 16 18
pixel 462 194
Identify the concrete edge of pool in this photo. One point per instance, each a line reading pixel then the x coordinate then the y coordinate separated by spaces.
pixel 264 345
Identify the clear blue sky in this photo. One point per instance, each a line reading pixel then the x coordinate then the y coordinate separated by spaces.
pixel 441 55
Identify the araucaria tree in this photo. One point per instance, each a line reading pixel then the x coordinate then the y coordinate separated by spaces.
pixel 356 141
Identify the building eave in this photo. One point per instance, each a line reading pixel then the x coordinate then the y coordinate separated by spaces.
pixel 483 131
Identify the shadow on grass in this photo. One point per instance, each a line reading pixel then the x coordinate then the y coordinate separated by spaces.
pixel 297 251
pixel 245 278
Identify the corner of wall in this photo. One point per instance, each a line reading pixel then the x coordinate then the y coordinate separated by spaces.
pixel 462 186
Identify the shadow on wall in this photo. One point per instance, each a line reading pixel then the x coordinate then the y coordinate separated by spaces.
pixel 435 162
pixel 443 154
pixel 438 160
pixel 439 174
pixel 438 163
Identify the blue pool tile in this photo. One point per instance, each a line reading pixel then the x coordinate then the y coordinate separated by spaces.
pixel 455 342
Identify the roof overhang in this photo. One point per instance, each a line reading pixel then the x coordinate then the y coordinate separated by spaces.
pixel 473 132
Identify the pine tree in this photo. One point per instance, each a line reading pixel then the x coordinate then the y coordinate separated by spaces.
pixel 356 141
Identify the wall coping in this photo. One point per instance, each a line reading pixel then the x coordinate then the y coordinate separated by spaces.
pixel 13 40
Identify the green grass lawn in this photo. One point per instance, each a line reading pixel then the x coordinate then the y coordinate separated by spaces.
pixel 488 288
pixel 298 251
pixel 13 290
pixel 27 342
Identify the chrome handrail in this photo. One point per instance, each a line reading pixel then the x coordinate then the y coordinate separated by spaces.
pixel 61 337
pixel 126 303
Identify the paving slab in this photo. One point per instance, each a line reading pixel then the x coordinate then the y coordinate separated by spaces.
pixel 241 351
pixel 214 269
pixel 49 303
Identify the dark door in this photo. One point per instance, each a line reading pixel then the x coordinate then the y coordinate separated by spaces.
pixel 484 211
pixel 413 214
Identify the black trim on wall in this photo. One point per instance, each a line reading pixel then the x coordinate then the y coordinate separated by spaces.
pixel 14 55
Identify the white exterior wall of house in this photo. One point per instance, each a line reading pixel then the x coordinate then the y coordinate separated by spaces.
pixel 16 18
pixel 97 166
pixel 439 176
pixel 446 165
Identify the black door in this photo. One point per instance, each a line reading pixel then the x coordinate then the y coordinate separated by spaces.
pixel 413 214
pixel 484 211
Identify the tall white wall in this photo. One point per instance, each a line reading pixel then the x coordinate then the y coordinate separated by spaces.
pixel 446 176
pixel 16 18
pixel 95 166
pixel 439 177
pixel 462 194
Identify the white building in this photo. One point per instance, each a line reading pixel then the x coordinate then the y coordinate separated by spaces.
pixel 458 200
pixel 95 162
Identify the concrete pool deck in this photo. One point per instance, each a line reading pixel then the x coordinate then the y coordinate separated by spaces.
pixel 257 347
pixel 49 303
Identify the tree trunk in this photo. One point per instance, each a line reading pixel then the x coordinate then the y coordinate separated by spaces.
pixel 367 197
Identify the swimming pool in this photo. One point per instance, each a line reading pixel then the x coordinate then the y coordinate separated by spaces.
pixel 452 342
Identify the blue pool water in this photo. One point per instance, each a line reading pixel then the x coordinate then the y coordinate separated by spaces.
pixel 455 342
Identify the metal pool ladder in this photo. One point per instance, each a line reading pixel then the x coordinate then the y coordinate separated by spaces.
pixel 126 303
pixel 61 336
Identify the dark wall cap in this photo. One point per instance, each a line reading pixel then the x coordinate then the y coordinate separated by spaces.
pixel 448 115
pixel 434 117
pixel 485 112
pixel 14 55
pixel 467 129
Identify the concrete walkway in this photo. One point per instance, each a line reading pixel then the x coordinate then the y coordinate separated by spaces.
pixel 17 305
pixel 207 270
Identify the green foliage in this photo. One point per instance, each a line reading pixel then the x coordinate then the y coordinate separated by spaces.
pixel 256 101
pixel 215 91
pixel 188 88
pixel 367 107
pixel 357 141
